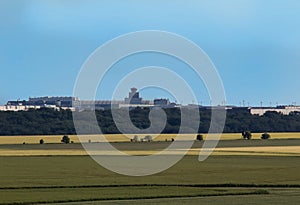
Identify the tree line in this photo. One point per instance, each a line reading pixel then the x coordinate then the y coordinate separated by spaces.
pixel 47 121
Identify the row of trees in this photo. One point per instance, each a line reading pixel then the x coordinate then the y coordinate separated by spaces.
pixel 248 136
pixel 245 135
pixel 50 122
pixel 65 139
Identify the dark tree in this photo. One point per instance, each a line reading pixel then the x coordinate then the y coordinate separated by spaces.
pixel 42 141
pixel 65 139
pixel 247 135
pixel 199 137
pixel 265 136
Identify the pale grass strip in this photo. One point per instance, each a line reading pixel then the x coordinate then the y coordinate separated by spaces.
pixel 251 151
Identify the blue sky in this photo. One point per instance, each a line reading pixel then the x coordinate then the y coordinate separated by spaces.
pixel 254 44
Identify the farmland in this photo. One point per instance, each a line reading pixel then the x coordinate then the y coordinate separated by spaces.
pixel 125 138
pixel 283 147
pixel 79 178
pixel 239 171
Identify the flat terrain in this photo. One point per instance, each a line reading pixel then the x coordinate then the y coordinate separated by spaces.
pixel 79 178
pixel 123 138
pixel 277 147
pixel 276 197
pixel 238 172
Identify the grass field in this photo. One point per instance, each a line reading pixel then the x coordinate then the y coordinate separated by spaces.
pixel 123 138
pixel 276 197
pixel 79 178
pixel 48 195
pixel 238 172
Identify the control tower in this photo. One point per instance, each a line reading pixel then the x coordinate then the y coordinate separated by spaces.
pixel 133 97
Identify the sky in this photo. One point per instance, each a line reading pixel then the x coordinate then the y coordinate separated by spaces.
pixel 254 45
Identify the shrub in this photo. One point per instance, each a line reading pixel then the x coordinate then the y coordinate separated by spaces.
pixel 41 141
pixel 199 137
pixel 65 139
pixel 265 136
pixel 148 138
pixel 135 138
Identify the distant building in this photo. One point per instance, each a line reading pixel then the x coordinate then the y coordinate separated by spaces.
pixel 285 110
pixel 97 104
pixel 73 103
pixel 17 107
pixel 57 101
pixel 161 102
pixel 39 102
pixel 53 99
pixel 132 101
pixel 133 97
pixel 17 103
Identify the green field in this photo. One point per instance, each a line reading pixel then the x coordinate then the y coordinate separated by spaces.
pixel 79 178
pixel 248 176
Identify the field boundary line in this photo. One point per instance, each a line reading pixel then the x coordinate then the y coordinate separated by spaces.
pixel 256 192
pixel 229 185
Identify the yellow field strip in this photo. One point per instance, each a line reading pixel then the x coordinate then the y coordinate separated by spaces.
pixel 257 151
pixel 267 151
pixel 123 138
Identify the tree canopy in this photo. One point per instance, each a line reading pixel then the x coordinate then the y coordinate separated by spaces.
pixel 51 122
